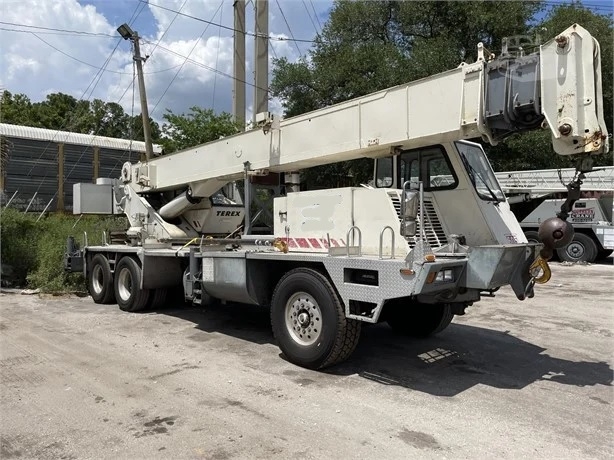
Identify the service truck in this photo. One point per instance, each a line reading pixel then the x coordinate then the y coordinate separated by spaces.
pixel 412 250
pixel 535 196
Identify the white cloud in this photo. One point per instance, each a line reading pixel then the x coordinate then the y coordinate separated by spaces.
pixel 29 65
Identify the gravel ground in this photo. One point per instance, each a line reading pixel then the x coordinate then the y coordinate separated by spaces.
pixel 508 380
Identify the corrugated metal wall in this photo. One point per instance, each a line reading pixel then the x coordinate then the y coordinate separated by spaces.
pixel 33 171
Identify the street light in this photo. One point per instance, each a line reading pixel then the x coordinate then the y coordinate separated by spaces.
pixel 126 32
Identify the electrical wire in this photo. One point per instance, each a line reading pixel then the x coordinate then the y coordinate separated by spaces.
pixel 186 58
pixel 288 26
pixel 232 29
pixel 309 16
pixel 92 85
pixel 217 58
pixel 168 27
pixel 77 59
pixel 205 66
pixel 315 14
pixel 66 31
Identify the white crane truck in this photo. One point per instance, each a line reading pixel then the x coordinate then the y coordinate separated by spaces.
pixel 413 250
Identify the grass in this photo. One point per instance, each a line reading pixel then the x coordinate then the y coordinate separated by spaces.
pixel 35 250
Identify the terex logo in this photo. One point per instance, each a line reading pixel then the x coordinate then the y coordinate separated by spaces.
pixel 228 213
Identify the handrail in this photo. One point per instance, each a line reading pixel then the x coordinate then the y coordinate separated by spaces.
pixel 381 241
pixel 347 237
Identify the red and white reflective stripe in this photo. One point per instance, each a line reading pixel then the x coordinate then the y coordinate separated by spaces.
pixel 314 243
pixel 317 244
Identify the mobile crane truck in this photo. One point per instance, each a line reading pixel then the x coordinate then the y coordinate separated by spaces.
pixel 431 237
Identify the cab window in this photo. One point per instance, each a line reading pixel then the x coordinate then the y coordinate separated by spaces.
pixel 429 165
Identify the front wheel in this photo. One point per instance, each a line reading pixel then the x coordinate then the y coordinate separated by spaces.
pixel 128 293
pixel 308 320
pixel 415 319
pixel 581 249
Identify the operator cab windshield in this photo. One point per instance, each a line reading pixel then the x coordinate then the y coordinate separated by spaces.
pixel 480 172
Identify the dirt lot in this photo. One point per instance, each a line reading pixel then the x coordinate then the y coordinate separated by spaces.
pixel 508 380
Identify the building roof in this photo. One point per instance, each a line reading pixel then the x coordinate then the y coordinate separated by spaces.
pixel 64 137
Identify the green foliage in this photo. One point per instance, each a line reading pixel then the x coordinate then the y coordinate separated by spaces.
pixel 18 241
pixel 64 112
pixel 194 128
pixel 15 108
pixel 366 46
pixel 35 250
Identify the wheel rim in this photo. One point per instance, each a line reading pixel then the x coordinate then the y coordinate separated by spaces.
pixel 124 284
pixel 97 279
pixel 576 250
pixel 303 318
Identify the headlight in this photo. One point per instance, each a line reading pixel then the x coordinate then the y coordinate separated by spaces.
pixel 445 276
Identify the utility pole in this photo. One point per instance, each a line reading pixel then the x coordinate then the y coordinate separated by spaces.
pixel 261 91
pixel 128 34
pixel 238 90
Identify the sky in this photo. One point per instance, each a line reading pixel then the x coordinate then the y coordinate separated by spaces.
pixel 49 57
pixel 38 61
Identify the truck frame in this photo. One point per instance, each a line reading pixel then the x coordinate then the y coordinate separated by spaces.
pixel 432 236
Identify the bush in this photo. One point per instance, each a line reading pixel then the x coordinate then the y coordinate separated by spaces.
pixel 35 250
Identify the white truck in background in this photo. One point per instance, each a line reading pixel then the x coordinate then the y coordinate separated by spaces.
pixel 413 251
pixel 537 195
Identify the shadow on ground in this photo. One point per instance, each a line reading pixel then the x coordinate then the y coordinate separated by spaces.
pixel 445 365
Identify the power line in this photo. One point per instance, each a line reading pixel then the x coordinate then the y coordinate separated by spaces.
pixel 42 32
pixel 94 82
pixel 205 66
pixel 288 26
pixel 77 59
pixel 186 58
pixel 168 27
pixel 74 32
pixel 315 14
pixel 232 29
pixel 589 6
pixel 217 56
pixel 310 18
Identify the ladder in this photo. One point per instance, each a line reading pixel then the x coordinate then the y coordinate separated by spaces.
pixel 545 181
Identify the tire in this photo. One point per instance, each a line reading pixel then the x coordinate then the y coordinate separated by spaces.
pixel 418 319
pixel 100 280
pixel 604 254
pixel 532 236
pixel 581 249
pixel 328 337
pixel 130 297
pixel 157 299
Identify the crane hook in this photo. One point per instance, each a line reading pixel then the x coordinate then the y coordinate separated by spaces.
pixel 540 264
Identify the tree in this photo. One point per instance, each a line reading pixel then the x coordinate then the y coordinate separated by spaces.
pixel 62 111
pixel 194 128
pixel 15 109
pixel 366 46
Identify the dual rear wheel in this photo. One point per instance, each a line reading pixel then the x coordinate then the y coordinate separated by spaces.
pixel 122 286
